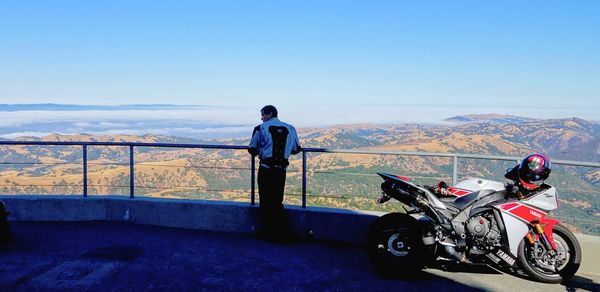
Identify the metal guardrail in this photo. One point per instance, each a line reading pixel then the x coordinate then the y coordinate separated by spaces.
pixel 132 145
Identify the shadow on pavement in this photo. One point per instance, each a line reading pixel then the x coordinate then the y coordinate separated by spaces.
pixel 100 256
pixel 578 282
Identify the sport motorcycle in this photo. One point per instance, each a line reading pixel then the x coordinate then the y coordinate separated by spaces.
pixel 479 223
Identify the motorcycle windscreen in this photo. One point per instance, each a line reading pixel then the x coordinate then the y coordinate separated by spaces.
pixel 546 200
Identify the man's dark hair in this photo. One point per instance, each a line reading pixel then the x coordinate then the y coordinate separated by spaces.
pixel 269 109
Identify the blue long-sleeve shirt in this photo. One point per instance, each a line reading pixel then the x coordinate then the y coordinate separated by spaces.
pixel 274 141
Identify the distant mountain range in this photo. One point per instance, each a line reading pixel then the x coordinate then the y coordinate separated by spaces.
pixel 489 118
pixel 573 138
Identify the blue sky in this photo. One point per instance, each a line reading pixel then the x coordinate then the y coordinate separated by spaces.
pixel 297 54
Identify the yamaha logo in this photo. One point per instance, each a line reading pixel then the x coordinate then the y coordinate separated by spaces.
pixel 507 258
pixel 536 214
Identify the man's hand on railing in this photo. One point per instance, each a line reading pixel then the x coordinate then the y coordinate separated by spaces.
pixel 253 151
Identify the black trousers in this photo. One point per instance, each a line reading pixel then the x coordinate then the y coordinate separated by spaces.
pixel 274 223
pixel 5 233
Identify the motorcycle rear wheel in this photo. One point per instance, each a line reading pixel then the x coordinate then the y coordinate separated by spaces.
pixel 393 244
pixel 569 258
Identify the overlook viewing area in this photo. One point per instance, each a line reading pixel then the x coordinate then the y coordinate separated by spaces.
pixel 300 146
pixel 134 241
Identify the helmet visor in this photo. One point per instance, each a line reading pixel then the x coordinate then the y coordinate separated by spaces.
pixel 531 186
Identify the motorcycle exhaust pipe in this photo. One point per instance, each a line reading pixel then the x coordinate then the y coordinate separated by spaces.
pixel 457 255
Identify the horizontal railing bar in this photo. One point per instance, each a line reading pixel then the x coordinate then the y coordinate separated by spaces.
pixel 32 163
pixel 371 174
pixel 64 163
pixel 42 185
pixel 136 144
pixel 123 164
pixel 410 153
pixel 127 186
pixel 191 166
pixel 437 154
pixel 575 163
pixel 567 219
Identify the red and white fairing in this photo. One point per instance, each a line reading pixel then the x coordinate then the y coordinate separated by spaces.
pixel 517 215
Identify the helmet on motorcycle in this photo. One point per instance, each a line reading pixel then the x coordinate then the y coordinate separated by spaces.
pixel 533 170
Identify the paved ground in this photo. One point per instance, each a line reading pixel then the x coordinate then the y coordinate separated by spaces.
pixel 101 256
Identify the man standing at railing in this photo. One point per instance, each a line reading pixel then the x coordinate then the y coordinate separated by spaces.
pixel 273 141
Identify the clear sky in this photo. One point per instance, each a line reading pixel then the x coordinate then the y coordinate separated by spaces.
pixel 301 53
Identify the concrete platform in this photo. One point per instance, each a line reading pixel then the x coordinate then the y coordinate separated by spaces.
pixel 110 256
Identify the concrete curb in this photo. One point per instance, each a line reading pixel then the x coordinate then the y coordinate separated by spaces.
pixel 318 223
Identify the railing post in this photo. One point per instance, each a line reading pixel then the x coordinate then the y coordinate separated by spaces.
pixel 252 180
pixel 304 179
pixel 84 170
pixel 131 173
pixel 454 169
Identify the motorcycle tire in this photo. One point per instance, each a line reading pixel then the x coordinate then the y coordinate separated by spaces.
pixel 393 244
pixel 567 244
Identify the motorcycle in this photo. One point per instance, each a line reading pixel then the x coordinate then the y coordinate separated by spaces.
pixel 478 224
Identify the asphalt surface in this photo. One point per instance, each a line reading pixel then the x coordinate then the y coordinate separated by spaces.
pixel 109 256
